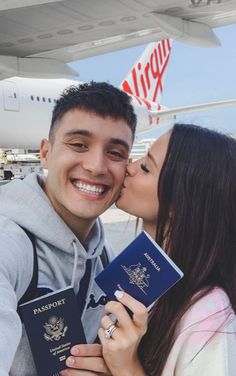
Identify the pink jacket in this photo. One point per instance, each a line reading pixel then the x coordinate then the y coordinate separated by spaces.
pixel 205 342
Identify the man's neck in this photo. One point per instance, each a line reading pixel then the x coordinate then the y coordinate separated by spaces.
pixel 80 227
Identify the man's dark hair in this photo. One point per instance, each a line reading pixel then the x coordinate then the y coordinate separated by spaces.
pixel 99 98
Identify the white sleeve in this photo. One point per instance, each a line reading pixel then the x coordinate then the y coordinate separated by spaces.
pixel 16 266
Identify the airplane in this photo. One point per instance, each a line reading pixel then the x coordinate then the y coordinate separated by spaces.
pixel 39 37
pixel 26 103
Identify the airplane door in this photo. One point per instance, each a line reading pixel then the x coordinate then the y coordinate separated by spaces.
pixel 10 96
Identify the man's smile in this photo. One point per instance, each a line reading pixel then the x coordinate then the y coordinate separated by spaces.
pixel 90 188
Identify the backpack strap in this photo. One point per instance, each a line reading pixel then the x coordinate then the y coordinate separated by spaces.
pixel 104 257
pixel 84 284
pixel 30 292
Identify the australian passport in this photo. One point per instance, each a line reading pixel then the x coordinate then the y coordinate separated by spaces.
pixel 53 326
pixel 142 269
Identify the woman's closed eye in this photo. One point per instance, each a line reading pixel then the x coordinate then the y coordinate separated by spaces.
pixel 144 167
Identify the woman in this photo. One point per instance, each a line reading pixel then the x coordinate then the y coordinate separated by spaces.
pixel 184 189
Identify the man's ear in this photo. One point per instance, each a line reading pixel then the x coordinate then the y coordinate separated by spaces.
pixel 44 150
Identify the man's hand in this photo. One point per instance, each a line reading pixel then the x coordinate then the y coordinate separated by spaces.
pixel 85 360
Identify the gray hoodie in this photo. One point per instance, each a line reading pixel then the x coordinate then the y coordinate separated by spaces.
pixel 60 255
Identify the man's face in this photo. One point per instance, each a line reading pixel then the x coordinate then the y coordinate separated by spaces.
pixel 86 164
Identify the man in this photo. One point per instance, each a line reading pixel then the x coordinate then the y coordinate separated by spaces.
pixel 90 138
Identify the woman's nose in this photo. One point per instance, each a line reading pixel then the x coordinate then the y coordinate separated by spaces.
pixel 131 168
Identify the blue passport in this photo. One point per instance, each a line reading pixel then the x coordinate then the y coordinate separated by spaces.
pixel 142 269
pixel 53 326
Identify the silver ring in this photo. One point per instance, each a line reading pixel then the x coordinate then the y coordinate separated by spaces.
pixel 108 332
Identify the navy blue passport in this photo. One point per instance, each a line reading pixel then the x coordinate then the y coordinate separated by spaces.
pixel 53 326
pixel 143 270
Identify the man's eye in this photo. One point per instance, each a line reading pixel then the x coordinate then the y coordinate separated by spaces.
pixel 78 145
pixel 144 167
pixel 117 154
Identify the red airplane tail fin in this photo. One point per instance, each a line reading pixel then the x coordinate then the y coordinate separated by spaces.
pixel 145 79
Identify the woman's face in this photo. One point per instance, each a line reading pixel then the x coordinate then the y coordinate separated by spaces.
pixel 139 193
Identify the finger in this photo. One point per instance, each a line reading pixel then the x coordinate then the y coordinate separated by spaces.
pixel 86 350
pixel 140 313
pixel 106 341
pixel 109 331
pixel 103 339
pixel 117 308
pixel 101 336
pixel 106 322
pixel 113 318
pixel 94 364
pixel 73 372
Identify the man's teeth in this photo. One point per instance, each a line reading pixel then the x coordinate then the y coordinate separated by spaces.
pixel 94 189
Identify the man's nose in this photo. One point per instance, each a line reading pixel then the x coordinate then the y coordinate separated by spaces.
pixel 95 162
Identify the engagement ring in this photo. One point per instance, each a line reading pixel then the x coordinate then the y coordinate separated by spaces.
pixel 108 332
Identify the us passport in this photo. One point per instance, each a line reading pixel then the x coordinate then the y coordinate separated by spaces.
pixel 53 326
pixel 142 269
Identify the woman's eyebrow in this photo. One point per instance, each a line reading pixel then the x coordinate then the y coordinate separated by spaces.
pixel 152 158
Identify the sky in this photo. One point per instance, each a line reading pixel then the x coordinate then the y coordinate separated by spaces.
pixel 194 75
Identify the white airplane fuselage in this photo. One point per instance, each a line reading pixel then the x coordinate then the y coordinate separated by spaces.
pixel 25 110
pixel 26 106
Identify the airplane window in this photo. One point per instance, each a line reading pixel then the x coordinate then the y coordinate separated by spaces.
pixel 32 97
pixel 14 95
pixel 38 99
pixel 43 99
pixel 49 100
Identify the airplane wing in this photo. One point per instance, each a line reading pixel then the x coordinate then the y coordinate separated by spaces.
pixel 38 37
pixel 188 109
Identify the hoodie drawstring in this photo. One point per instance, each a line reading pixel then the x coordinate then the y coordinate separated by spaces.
pixel 75 263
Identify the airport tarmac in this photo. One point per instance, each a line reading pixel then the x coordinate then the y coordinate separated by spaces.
pixel 120 227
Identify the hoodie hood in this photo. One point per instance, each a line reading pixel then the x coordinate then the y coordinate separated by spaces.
pixel 26 203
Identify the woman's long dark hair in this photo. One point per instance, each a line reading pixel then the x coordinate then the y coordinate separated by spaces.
pixel 196 226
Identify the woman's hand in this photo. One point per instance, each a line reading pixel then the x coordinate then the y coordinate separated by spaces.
pixel 86 360
pixel 120 350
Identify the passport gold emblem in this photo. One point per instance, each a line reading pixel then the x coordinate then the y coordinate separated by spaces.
pixel 137 276
pixel 55 329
